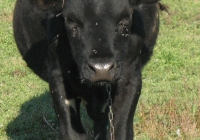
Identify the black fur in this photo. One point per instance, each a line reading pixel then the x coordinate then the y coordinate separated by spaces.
pixel 92 44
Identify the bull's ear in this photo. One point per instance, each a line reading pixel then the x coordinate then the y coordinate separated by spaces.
pixel 145 1
pixel 49 4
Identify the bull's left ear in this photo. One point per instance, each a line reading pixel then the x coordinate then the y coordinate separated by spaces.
pixel 49 4
pixel 145 1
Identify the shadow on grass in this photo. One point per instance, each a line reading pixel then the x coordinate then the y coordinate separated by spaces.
pixel 30 124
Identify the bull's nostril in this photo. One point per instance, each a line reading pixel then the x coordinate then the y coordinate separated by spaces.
pixel 91 67
pixel 112 66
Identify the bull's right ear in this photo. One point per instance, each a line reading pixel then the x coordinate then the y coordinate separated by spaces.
pixel 49 4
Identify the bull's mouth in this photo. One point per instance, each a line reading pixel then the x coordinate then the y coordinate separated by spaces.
pixel 102 83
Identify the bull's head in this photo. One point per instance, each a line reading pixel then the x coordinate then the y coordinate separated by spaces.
pixel 105 37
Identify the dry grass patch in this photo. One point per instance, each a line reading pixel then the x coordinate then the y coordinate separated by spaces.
pixel 172 120
pixel 6 17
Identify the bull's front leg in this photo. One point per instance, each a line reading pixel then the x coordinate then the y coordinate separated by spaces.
pixel 124 107
pixel 97 109
pixel 67 106
pixel 67 109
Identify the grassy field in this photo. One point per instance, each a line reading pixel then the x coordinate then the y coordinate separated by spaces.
pixel 169 107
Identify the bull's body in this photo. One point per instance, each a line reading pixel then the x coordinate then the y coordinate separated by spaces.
pixel 80 55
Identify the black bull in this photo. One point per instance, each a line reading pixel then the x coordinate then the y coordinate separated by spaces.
pixel 82 47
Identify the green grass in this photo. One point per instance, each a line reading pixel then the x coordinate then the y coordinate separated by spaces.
pixel 170 100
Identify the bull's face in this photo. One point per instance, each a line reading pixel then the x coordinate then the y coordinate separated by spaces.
pixel 105 37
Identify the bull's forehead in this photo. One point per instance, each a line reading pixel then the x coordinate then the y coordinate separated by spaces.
pixel 109 6
pixel 91 8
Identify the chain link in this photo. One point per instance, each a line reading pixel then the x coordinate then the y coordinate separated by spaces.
pixel 110 114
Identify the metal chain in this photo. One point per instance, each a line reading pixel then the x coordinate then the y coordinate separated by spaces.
pixel 110 113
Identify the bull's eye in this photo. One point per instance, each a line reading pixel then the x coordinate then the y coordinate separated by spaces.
pixel 127 17
pixel 123 27
pixel 69 20
pixel 72 26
